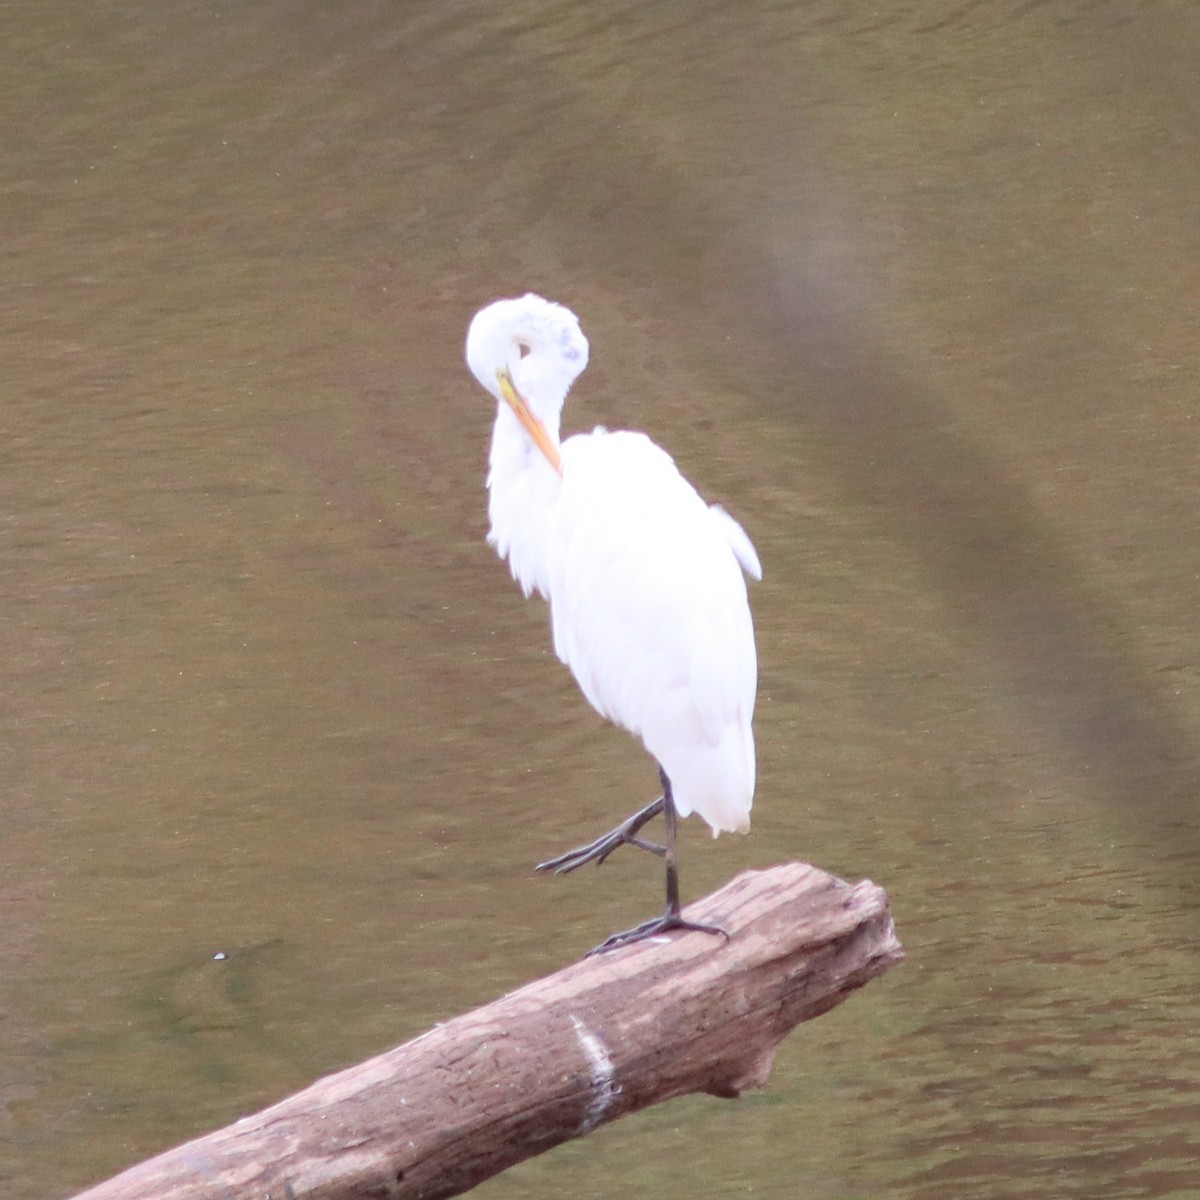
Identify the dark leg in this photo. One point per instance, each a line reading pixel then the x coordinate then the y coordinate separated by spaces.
pixel 602 847
pixel 673 918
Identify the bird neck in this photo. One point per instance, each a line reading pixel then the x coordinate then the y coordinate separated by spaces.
pixel 512 447
pixel 522 489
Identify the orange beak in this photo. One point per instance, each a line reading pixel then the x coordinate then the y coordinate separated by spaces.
pixel 534 427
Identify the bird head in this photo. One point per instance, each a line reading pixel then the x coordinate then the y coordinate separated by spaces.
pixel 527 352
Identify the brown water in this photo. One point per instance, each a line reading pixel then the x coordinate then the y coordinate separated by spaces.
pixel 910 290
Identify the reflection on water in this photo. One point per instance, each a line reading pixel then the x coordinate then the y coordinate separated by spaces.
pixel 910 293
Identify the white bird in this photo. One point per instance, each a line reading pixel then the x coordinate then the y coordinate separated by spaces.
pixel 645 583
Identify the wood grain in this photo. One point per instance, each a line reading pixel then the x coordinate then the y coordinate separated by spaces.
pixel 552 1061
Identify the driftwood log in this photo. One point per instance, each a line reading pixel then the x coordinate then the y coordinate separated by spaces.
pixel 605 1037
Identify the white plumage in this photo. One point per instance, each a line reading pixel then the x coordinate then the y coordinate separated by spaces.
pixel 649 611
pixel 644 580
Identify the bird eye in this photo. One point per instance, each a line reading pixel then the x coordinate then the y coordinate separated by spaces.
pixel 525 349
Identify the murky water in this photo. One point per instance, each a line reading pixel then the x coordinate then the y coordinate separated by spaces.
pixel 909 290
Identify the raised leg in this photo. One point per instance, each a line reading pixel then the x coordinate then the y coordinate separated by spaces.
pixel 673 918
pixel 625 834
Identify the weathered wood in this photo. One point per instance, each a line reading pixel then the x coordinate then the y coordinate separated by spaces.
pixel 602 1038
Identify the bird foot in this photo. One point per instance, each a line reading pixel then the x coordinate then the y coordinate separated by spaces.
pixel 671 919
pixel 625 834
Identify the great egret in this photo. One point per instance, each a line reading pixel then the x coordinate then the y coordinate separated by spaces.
pixel 644 580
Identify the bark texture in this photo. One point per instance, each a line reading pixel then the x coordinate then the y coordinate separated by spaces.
pixel 552 1061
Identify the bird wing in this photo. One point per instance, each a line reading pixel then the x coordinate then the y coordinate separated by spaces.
pixel 739 543
pixel 647 600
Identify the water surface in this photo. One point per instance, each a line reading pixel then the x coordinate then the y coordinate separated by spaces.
pixel 908 291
